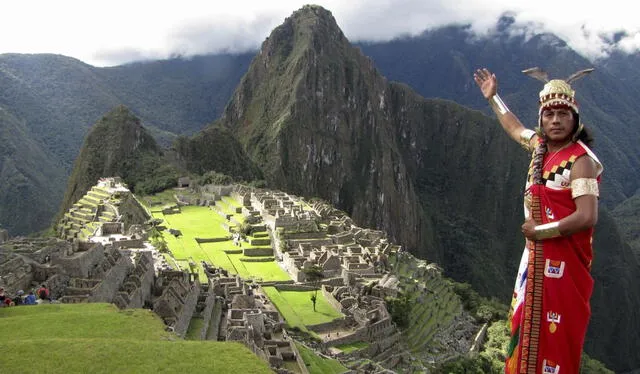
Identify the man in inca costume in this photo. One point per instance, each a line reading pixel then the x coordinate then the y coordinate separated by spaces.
pixel 550 307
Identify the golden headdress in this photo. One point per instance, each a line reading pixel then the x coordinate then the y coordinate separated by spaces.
pixel 556 92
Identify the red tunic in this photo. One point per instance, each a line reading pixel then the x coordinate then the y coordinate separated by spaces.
pixel 550 308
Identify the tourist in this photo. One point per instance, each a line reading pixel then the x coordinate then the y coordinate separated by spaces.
pixel 30 299
pixel 550 308
pixel 18 299
pixel 3 297
pixel 43 293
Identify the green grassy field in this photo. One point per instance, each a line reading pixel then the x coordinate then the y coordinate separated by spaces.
pixel 202 222
pixel 98 338
pixel 297 309
pixel 348 348
pixel 319 365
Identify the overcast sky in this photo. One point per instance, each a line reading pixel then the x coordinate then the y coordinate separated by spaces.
pixel 119 31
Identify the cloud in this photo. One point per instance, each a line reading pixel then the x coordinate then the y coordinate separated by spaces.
pixel 121 31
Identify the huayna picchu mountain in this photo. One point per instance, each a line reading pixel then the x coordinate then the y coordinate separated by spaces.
pixel 118 145
pixel 319 120
pixel 444 181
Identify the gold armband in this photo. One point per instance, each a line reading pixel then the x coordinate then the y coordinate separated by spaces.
pixel 584 186
pixel 548 230
pixel 499 105
pixel 525 138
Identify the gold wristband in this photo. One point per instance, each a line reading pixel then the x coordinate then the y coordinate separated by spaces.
pixel 499 105
pixel 584 186
pixel 548 230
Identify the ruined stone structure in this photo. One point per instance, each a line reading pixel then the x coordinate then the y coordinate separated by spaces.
pixel 101 204
pixel 178 300
pixel 251 319
pixel 135 291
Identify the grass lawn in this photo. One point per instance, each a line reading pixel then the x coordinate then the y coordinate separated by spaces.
pixel 193 332
pixel 319 365
pixel 268 271
pixel 98 338
pixel 195 221
pixel 157 201
pixel 348 348
pixel 297 309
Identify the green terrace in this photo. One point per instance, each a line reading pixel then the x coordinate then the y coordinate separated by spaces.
pixel 297 309
pixel 85 215
pixel 431 308
pixel 205 236
pixel 98 338
pixel 319 365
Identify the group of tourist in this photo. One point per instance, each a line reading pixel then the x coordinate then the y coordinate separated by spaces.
pixel 21 299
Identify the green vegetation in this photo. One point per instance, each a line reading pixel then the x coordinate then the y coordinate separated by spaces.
pixel 216 149
pixel 491 359
pixel 118 145
pixel 203 222
pixel 98 338
pixel 294 307
pixel 482 308
pixel 348 348
pixel 314 274
pixel 31 184
pixel 195 326
pixel 399 308
pixel 319 365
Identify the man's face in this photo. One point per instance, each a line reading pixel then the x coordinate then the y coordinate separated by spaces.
pixel 557 123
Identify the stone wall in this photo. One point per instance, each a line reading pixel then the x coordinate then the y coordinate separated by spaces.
pixel 80 264
pixel 110 228
pixel 331 299
pixel 16 274
pixel 107 289
pixel 336 324
pixel 207 313
pixel 178 301
pixel 127 243
pixel 136 287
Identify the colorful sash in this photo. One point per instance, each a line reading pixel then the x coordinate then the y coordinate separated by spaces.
pixel 550 306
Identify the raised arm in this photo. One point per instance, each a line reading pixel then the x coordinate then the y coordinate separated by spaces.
pixel 488 84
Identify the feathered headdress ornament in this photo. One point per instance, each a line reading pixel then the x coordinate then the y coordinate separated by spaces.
pixel 557 92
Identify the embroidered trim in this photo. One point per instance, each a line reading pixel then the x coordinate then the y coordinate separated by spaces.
pixel 584 186
pixel 530 338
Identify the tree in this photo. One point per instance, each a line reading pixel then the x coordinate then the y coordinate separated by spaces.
pixel 314 274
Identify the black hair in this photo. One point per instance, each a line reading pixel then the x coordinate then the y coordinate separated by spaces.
pixel 585 135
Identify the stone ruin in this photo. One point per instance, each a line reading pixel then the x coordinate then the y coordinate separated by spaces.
pixel 178 299
pixel 98 212
pixel 248 317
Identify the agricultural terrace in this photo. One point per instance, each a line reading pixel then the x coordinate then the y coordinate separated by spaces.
pixel 98 338
pixel 252 260
pixel 319 365
pixel 297 309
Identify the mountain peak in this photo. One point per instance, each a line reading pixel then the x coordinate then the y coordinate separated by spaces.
pixel 309 27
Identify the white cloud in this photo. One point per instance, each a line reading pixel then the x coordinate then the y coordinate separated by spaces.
pixel 124 30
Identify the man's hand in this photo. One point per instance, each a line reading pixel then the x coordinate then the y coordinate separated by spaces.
pixel 529 228
pixel 487 82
